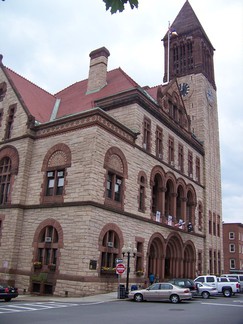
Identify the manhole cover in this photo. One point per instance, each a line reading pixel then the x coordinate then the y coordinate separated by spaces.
pixel 176 310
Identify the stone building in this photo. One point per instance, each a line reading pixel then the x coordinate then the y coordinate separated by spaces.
pixel 106 164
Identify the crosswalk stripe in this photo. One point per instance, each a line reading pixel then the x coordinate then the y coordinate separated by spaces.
pixel 21 307
pixel 10 308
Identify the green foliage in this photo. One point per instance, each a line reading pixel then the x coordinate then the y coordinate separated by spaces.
pixel 118 5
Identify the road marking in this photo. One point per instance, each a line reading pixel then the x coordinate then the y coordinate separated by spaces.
pixel 6 310
pixel 28 307
pixel 20 307
pixel 217 304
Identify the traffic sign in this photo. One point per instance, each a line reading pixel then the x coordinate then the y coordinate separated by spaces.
pixel 119 260
pixel 120 268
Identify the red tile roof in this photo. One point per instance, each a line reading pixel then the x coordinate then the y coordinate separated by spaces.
pixel 37 101
pixel 74 98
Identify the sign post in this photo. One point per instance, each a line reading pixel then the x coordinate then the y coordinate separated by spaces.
pixel 120 268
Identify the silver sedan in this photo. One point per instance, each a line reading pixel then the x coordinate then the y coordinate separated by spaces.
pixel 161 291
pixel 206 290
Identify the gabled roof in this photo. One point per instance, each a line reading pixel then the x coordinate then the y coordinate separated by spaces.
pixel 74 98
pixel 38 102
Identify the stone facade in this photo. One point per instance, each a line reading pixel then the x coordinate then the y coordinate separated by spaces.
pixel 84 186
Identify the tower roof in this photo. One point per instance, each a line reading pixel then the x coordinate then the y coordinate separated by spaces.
pixel 187 22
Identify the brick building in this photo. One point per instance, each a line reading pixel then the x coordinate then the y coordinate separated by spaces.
pixel 233 247
pixel 106 164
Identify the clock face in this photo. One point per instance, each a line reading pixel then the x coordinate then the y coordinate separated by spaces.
pixel 209 95
pixel 184 89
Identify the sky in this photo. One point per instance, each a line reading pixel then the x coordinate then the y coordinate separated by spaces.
pixel 49 42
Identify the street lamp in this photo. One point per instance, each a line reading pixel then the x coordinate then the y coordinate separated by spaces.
pixel 128 251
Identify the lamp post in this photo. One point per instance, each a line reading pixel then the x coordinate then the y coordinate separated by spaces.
pixel 128 251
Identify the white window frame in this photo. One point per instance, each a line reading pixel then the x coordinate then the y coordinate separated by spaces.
pixel 232 263
pixel 231 235
pixel 232 247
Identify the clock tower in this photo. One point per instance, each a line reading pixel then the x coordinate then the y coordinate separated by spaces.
pixel 191 64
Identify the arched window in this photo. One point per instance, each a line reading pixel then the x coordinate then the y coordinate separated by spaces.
pixel 189 214
pixel 156 199
pixel 55 163
pixel 5 177
pixel 47 248
pixel 200 217
pixel 141 195
pixel 169 198
pixel 116 172
pixel 109 252
pixel 9 164
pixel 179 203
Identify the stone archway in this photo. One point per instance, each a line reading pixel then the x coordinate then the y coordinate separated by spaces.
pixel 174 257
pixel 156 256
pixel 189 261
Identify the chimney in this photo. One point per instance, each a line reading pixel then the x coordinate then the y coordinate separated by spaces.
pixel 97 69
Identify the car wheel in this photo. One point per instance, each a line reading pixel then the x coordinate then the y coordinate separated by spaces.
pixel 205 294
pixel 174 299
pixel 138 297
pixel 7 299
pixel 227 293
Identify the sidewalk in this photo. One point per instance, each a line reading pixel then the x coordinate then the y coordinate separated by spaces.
pixel 94 299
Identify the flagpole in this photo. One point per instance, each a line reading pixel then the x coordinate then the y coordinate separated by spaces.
pixel 168 55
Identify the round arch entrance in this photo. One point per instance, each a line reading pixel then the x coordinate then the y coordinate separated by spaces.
pixel 156 256
pixel 189 261
pixel 173 259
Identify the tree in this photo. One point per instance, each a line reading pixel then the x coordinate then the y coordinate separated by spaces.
pixel 118 5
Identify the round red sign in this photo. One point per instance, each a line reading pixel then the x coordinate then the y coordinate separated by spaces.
pixel 120 268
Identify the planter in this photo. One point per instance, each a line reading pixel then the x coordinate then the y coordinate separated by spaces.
pixel 37 266
pixel 108 271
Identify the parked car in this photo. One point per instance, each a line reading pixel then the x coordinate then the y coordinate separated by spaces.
pixel 185 283
pixel 205 290
pixel 238 276
pixel 223 284
pixel 8 292
pixel 161 291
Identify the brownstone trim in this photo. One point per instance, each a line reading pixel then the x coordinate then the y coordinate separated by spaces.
pixel 177 242
pixel 115 162
pixel 116 151
pixel 170 176
pixel 45 223
pixel 190 244
pixel 62 148
pixel 157 170
pixel 11 152
pixel 111 227
pixel 58 147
